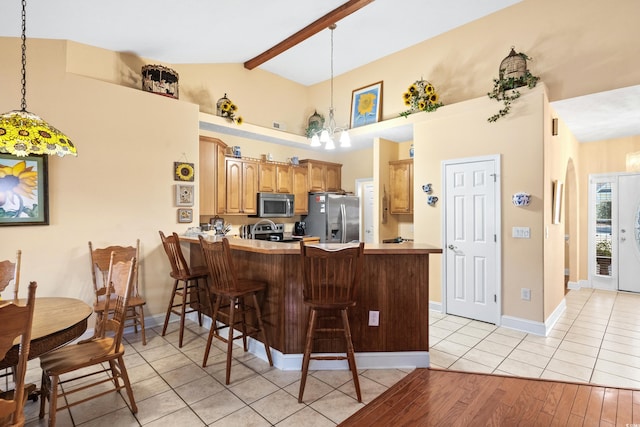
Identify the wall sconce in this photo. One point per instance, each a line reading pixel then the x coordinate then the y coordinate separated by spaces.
pixel 431 200
pixel 521 199
pixel 427 188
pixel 554 126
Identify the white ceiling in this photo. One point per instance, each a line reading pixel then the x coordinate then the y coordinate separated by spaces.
pixel 205 31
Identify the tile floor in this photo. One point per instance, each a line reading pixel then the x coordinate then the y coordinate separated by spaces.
pixel 597 340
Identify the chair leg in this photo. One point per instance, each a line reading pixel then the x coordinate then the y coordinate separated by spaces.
pixel 232 321
pixel 53 400
pixel 267 347
pixel 212 331
pixel 243 310
pixel 127 384
pixel 351 353
pixel 166 318
pixel 199 303
pixel 185 292
pixel 307 352
pixel 44 393
pixel 142 331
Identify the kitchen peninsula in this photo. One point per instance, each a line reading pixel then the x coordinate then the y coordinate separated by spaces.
pixel 395 283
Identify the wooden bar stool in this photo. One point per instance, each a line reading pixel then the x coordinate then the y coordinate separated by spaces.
pixel 231 294
pixel 186 285
pixel 330 279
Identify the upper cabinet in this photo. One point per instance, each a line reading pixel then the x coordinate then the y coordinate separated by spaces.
pixel 401 186
pixel 211 156
pixel 323 176
pixel 275 177
pixel 299 178
pixel 241 186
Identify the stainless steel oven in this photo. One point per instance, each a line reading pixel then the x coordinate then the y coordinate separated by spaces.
pixel 275 205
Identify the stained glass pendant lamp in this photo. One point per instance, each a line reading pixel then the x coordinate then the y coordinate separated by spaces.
pixel 23 133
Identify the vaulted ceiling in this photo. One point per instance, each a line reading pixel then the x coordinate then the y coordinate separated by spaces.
pixel 204 31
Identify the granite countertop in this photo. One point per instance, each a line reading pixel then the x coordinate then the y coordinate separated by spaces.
pixel 263 246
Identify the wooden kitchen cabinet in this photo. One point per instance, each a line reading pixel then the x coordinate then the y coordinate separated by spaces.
pixel 401 186
pixel 212 176
pixel 242 186
pixel 300 187
pixel 275 177
pixel 323 176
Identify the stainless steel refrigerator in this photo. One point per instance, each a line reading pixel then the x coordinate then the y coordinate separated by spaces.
pixel 335 218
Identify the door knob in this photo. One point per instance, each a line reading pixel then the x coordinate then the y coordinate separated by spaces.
pixel 452 247
pixel 622 239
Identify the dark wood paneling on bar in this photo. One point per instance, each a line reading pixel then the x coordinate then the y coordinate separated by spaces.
pixel 395 282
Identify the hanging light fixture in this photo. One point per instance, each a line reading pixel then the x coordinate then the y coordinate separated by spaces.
pixel 23 133
pixel 326 135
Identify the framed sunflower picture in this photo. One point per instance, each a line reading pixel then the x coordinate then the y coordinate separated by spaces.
pixel 185 215
pixel 366 105
pixel 183 171
pixel 24 192
pixel 184 195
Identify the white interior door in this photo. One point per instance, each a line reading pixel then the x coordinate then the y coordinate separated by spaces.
pixel 365 192
pixel 628 258
pixel 471 236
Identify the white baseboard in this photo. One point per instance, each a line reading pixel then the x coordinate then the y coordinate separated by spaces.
pixel 553 318
pixel 435 306
pixel 524 325
pixel 364 360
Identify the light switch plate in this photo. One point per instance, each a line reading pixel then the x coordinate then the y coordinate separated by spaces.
pixel 521 232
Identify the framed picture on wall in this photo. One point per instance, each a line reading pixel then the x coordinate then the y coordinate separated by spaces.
pixel 184 195
pixel 185 215
pixel 366 105
pixel 24 190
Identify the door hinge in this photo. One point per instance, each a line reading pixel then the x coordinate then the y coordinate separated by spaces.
pixel 495 238
pixel 494 176
pixel 495 298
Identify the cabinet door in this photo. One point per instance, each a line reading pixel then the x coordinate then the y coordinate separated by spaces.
pixel 283 179
pixel 267 180
pixel 207 177
pixel 221 183
pixel 317 177
pixel 333 178
pixel 234 172
pixel 250 187
pixel 300 190
pixel 401 184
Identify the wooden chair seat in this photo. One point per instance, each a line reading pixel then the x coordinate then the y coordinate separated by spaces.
pixel 330 278
pixel 92 365
pixel 187 286
pixel 234 299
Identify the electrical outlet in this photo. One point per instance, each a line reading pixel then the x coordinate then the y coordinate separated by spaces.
pixel 374 318
pixel 525 294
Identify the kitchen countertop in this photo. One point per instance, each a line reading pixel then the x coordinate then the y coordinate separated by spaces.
pixel 263 246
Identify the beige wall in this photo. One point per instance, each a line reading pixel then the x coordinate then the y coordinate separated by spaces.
pixel 120 187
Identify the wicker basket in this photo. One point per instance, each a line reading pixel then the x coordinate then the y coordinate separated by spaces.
pixel 161 80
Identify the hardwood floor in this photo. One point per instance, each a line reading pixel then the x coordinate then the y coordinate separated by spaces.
pixel 430 397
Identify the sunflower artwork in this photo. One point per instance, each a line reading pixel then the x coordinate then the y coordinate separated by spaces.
pixel 183 171
pixel 23 190
pixel 421 96
pixel 366 105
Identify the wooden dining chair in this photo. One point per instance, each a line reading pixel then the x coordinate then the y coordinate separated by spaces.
pixel 189 285
pixel 330 279
pixel 16 321
pixel 99 268
pixel 10 276
pixel 92 364
pixel 231 297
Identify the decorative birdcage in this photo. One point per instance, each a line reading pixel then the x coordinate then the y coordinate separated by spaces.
pixel 513 69
pixel 315 124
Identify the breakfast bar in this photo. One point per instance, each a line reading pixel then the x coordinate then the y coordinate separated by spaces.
pixel 395 283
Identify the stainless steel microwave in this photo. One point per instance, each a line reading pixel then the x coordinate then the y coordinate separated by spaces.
pixel 275 205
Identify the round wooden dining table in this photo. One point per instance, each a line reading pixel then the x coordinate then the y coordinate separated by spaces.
pixel 56 321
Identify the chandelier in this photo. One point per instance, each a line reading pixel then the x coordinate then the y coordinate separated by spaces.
pixel 326 135
pixel 23 133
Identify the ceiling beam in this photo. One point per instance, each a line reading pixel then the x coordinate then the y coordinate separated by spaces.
pixel 315 27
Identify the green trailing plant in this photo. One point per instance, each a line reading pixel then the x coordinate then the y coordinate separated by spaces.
pixel 506 90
